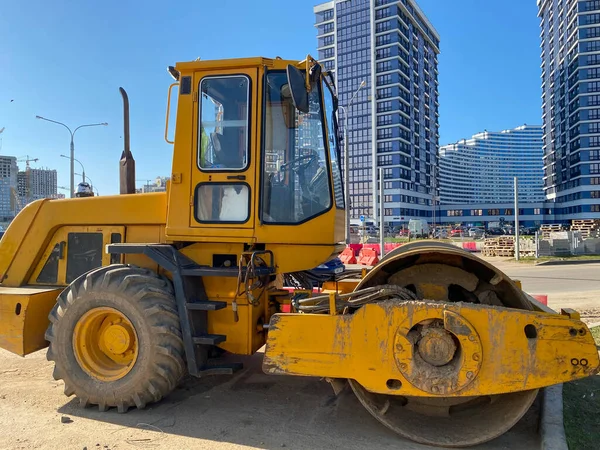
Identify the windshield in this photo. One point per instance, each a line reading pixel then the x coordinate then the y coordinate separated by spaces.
pixel 296 183
pixel 330 114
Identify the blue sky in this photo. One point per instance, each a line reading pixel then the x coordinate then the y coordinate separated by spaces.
pixel 65 60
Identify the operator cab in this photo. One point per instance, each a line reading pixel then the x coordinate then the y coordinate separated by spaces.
pixel 265 153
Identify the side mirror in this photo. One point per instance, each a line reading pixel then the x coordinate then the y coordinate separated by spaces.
pixel 297 85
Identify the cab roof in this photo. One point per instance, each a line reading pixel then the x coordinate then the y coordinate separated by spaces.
pixel 257 61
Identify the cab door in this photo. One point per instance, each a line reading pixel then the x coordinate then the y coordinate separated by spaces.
pixel 223 169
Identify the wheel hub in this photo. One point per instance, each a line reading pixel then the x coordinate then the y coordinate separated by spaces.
pixel 436 346
pixel 117 339
pixel 105 344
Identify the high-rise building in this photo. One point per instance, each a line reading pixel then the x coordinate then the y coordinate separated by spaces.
pixel 159 185
pixel 482 169
pixel 570 46
pixel 393 120
pixel 8 187
pixel 36 184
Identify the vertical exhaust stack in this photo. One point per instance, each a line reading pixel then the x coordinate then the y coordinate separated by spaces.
pixel 127 163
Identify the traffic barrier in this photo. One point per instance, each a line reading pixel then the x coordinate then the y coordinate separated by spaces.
pixel 470 246
pixel 543 299
pixel 373 247
pixel 368 257
pixel 389 246
pixel 356 248
pixel 348 256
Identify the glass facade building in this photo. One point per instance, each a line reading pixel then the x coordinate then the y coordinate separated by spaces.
pixel 393 120
pixel 570 52
pixel 481 170
pixel 8 186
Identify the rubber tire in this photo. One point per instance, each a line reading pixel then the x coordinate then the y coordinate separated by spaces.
pixel 148 301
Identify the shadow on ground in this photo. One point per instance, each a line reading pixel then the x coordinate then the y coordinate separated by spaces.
pixel 271 412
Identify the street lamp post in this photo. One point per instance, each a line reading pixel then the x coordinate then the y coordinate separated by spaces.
pixel 82 168
pixel 72 158
pixel 347 161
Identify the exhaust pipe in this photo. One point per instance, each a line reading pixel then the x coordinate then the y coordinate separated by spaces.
pixel 127 163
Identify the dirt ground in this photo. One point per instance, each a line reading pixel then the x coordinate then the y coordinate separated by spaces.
pixel 248 410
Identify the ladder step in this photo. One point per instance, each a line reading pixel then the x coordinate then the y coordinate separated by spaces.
pixel 206 305
pixel 210 339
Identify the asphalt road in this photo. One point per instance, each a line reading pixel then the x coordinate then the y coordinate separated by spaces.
pixel 553 280
pixel 575 286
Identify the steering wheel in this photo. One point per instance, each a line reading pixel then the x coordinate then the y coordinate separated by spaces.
pixel 300 163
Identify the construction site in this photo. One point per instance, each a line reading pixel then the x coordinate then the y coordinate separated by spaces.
pixel 222 311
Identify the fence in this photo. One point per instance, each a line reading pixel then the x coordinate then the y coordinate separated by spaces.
pixel 567 243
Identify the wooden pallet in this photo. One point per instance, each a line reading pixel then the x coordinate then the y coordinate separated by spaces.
pixel 505 247
pixel 589 228
pixel 550 228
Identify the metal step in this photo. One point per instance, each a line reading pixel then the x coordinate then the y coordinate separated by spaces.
pixel 206 305
pixel 209 339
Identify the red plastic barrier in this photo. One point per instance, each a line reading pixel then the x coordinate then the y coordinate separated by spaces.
pixel 389 246
pixel 368 257
pixel 471 246
pixel 373 247
pixel 356 248
pixel 543 299
pixel 347 256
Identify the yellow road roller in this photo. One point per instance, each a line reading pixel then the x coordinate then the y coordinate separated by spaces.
pixel 131 292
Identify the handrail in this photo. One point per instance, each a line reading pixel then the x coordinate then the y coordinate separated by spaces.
pixel 168 113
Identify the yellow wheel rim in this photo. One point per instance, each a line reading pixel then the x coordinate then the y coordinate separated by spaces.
pixel 105 344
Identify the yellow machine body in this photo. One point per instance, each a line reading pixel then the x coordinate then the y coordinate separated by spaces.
pixel 372 347
pixel 24 318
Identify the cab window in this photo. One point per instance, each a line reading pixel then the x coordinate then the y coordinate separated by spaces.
pixel 224 137
pixel 332 130
pixel 296 184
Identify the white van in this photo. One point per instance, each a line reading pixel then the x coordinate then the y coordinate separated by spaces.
pixel 418 228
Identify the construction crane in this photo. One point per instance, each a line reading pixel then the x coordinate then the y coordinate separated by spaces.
pixel 132 292
pixel 27 188
pixel 27 160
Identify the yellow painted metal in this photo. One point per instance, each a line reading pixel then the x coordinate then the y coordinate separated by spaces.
pixel 62 236
pixel 105 344
pixel 168 113
pixel 28 236
pixel 501 350
pixel 24 317
pixel 341 287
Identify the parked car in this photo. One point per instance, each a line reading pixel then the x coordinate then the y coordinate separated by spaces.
pixel 440 233
pixel 528 231
pixel 476 232
pixel 495 231
pixel 458 232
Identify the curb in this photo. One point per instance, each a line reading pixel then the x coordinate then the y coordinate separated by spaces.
pixel 567 262
pixel 552 429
